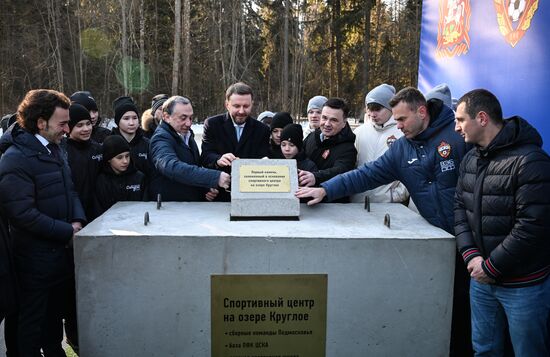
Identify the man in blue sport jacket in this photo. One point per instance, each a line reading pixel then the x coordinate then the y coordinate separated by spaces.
pixel 426 160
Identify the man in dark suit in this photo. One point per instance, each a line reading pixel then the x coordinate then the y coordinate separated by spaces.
pixel 44 213
pixel 234 134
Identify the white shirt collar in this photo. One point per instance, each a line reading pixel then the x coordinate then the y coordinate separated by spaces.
pixel 238 125
pixel 42 140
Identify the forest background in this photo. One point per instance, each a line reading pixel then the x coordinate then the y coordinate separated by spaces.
pixel 287 50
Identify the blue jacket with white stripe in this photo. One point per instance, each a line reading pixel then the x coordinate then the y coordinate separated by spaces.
pixel 427 165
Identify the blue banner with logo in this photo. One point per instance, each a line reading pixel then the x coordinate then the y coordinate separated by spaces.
pixel 500 45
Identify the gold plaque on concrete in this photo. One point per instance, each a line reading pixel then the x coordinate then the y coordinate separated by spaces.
pixel 264 178
pixel 269 315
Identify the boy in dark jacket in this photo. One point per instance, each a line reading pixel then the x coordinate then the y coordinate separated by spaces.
pixel 85 99
pixel 280 120
pixel 292 147
pixel 84 156
pixel 127 121
pixel 119 179
pixel 84 159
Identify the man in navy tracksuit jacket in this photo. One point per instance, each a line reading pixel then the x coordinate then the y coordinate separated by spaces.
pixel 426 160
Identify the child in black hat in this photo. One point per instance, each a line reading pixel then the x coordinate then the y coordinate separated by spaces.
pixel 128 127
pixel 119 179
pixel 85 99
pixel 83 155
pixel 280 120
pixel 292 147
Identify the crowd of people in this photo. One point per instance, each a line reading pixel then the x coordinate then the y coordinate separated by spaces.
pixel 478 176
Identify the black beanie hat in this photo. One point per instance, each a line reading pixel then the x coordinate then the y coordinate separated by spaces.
pixel 114 145
pixel 121 105
pixel 159 97
pixel 158 101
pixel 280 120
pixel 294 134
pixel 77 113
pixel 84 98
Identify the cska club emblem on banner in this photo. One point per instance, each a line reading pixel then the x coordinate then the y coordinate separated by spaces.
pixel 514 18
pixel 453 28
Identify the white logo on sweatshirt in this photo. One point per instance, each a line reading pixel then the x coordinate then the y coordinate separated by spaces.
pixel 97 157
pixel 143 154
pixel 412 160
pixel 447 165
pixel 134 188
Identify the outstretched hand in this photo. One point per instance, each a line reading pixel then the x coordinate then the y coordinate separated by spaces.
pixel 316 193
pixel 226 160
pixel 225 180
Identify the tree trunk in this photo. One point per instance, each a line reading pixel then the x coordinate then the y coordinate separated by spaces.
pixel 157 52
pixel 125 80
pixel 221 42
pixel 186 47
pixel 366 45
pixel 284 86
pixel 235 20
pixel 243 38
pixel 338 42
pixel 177 47
pixel 54 24
pixel 141 50
pixel 74 49
pixel 80 52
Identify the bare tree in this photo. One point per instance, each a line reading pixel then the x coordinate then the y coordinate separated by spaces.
pixel 141 48
pixel 367 8
pixel 177 46
pixel 124 34
pixel 53 25
pixel 186 46
pixel 284 70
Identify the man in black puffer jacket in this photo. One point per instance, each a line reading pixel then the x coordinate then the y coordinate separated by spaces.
pixel 44 213
pixel 331 147
pixel 502 225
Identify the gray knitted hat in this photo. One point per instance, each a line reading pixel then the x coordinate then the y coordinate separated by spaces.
pixel 316 102
pixel 380 95
pixel 441 92
pixel 266 114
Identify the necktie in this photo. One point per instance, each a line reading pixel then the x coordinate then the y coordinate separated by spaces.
pixel 239 132
pixel 54 150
